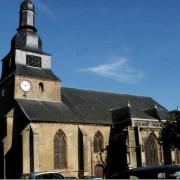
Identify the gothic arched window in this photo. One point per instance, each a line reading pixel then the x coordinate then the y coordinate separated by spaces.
pixel 60 150
pixel 98 142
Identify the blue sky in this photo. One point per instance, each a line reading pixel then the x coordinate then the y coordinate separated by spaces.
pixel 124 46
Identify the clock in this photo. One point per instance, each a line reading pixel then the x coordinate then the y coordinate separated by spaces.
pixel 25 86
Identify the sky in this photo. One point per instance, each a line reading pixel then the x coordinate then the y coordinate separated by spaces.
pixel 122 46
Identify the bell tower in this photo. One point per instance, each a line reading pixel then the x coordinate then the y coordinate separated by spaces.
pixel 26 70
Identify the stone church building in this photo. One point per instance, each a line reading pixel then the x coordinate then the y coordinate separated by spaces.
pixel 46 127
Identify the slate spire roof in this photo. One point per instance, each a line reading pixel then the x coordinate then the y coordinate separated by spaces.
pixel 27 19
pixel 26 37
pixel 27 5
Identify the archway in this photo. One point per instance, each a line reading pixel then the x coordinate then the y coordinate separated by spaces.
pixel 151 150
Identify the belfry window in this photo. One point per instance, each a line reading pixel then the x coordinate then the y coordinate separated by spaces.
pixel 98 142
pixel 41 87
pixel 33 61
pixel 60 150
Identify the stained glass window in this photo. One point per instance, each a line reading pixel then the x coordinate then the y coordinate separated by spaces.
pixel 60 150
pixel 98 142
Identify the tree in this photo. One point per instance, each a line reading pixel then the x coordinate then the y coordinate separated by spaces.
pixel 170 133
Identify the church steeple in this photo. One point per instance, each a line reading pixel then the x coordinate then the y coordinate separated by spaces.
pixel 26 37
pixel 26 70
pixel 27 15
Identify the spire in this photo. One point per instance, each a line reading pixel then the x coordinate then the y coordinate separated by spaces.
pixel 26 37
pixel 27 5
pixel 27 15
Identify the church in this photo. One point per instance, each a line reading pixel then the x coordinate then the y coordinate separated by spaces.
pixel 47 127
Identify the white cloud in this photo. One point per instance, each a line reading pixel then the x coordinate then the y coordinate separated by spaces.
pixel 44 8
pixel 120 70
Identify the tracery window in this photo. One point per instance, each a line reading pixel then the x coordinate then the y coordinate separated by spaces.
pixel 60 150
pixel 98 142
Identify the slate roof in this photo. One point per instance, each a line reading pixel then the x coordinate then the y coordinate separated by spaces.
pixel 97 106
pixel 35 72
pixel 45 111
pixel 127 113
pixel 156 113
pixel 89 107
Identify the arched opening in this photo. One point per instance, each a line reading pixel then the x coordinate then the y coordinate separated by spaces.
pixel 98 142
pixel 41 87
pixel 60 150
pixel 151 150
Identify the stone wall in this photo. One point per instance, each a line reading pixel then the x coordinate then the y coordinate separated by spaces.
pixel 45 150
pixel 51 90
pixel 145 129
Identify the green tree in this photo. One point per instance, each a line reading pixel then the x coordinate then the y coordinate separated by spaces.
pixel 170 133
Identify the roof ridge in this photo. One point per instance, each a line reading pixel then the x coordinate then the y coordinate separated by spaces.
pixel 107 92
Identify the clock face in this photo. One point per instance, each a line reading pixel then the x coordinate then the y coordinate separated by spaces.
pixel 25 86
